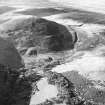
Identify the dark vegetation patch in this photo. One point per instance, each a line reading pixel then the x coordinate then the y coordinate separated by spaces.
pixel 86 87
pixel 4 9
pixel 42 12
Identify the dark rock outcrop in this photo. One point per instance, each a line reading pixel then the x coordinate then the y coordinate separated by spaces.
pixel 15 87
pixel 9 56
pixel 12 87
pixel 38 32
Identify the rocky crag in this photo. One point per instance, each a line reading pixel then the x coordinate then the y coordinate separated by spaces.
pixel 39 34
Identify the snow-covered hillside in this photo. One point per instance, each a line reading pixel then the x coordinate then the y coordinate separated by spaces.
pixel 91 5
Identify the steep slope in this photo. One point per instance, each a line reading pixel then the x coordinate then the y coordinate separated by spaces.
pixel 9 56
pixel 38 32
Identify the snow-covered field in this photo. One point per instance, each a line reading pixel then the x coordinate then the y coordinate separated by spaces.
pixel 46 91
pixel 90 5
pixel 89 65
